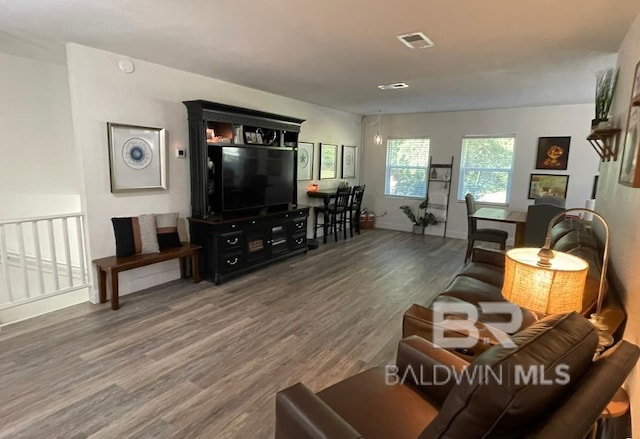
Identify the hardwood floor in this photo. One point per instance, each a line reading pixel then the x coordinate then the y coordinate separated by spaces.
pixel 191 360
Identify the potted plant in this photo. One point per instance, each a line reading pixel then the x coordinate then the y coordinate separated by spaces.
pixel 606 82
pixel 419 222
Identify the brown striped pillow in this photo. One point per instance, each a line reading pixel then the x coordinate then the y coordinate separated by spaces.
pixel 167 229
pixel 135 235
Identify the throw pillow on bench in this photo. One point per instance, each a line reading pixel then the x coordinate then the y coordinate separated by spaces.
pixel 148 233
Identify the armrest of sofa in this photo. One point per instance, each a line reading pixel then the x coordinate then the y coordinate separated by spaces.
pixel 429 368
pixel 488 256
pixel 300 414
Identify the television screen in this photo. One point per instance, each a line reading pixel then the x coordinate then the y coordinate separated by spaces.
pixel 254 177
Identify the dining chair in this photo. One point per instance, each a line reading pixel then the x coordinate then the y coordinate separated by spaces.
pixel 547 199
pixel 337 213
pixel 475 234
pixel 355 208
pixel 538 217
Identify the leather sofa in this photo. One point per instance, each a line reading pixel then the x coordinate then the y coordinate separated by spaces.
pixel 418 399
pixel 482 279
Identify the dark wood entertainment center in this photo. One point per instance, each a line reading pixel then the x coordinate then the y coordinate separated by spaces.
pixel 248 218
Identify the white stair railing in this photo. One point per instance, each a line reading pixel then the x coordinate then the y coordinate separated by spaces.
pixel 41 257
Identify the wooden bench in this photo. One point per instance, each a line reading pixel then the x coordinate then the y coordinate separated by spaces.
pixel 113 265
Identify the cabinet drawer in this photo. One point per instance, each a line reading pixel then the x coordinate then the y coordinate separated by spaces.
pixel 299 224
pixel 298 240
pixel 231 241
pixel 230 263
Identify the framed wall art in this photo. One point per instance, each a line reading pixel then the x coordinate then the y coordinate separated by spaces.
pixel 553 153
pixel 328 161
pixel 629 170
pixel 136 157
pixel 349 154
pixel 305 161
pixel 542 185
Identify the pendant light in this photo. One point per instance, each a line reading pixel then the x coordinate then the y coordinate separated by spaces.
pixel 377 139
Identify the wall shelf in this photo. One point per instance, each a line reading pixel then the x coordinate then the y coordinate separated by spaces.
pixel 605 142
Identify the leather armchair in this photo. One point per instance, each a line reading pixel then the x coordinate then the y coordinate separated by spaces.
pixel 418 400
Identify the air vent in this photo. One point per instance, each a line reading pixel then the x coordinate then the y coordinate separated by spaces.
pixel 415 40
pixel 394 86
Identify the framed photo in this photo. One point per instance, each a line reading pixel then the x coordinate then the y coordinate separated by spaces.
pixel 553 153
pixel 349 161
pixel 328 161
pixel 305 160
pixel 629 170
pixel 542 185
pixel 136 157
pixel 635 91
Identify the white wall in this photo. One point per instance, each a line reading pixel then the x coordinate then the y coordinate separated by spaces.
pixel 620 205
pixel 38 170
pixel 446 131
pixel 152 96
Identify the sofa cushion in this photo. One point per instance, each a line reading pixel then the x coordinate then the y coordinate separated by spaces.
pixel 524 384
pixel 486 273
pixel 564 227
pixel 473 290
pixel 581 243
pixel 135 235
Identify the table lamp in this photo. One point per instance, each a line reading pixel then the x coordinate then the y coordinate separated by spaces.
pixel 547 281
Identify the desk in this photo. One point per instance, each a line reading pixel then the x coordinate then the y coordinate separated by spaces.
pixel 326 197
pixel 504 216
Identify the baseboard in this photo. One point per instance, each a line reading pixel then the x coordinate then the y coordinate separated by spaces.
pixel 29 310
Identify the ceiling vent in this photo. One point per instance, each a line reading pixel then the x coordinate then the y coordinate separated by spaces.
pixel 415 40
pixel 394 86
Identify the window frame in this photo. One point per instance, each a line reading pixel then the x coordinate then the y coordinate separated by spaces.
pixel 387 169
pixel 462 170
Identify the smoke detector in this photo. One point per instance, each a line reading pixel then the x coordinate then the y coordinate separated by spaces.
pixel 415 40
pixel 394 86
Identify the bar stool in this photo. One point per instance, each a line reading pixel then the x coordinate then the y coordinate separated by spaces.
pixel 336 213
pixel 355 208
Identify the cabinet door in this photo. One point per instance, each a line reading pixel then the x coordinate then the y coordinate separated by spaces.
pixel 279 235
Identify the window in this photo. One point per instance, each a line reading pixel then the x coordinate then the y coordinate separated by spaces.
pixel 407 167
pixel 486 167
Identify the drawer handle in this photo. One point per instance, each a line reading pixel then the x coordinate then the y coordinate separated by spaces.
pixel 299 241
pixel 299 225
pixel 234 262
pixel 232 241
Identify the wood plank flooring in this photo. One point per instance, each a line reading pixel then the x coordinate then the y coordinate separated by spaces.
pixel 191 360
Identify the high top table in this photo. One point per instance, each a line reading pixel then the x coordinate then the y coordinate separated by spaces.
pixel 499 215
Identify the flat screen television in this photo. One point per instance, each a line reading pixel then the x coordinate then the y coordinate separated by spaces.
pixel 255 177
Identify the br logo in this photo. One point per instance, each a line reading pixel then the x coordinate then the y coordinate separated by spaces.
pixel 455 323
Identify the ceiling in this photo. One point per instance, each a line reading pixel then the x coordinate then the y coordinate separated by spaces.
pixel 487 54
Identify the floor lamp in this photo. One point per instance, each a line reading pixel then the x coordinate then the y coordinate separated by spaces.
pixel 548 282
